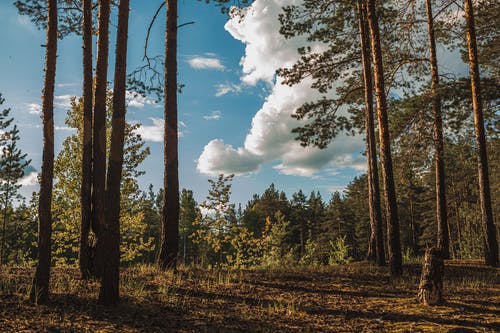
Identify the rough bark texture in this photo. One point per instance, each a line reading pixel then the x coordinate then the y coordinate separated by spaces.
pixel 86 186
pixel 99 139
pixel 110 234
pixel 167 257
pixel 430 289
pixel 395 259
pixel 491 243
pixel 443 240
pixel 40 288
pixel 376 245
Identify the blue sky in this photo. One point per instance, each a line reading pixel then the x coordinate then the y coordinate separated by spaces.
pixel 235 114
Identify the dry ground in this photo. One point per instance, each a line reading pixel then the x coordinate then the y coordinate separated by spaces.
pixel 354 298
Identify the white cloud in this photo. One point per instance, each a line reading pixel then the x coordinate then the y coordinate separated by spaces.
pixel 154 132
pixel 137 100
pixel 224 89
pixel 64 128
pixel 214 115
pixel 206 63
pixel 29 180
pixel 63 101
pixel 269 138
pixel 66 85
pixel 34 108
pixel 218 158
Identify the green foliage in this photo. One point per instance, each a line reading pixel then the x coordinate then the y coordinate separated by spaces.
pixel 13 164
pixel 277 252
pixel 213 229
pixel 70 14
pixel 339 252
pixel 135 242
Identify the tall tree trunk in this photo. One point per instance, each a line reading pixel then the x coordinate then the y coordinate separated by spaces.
pixel 110 235
pixel 395 259
pixel 443 241
pixel 167 257
pixel 86 186
pixel 40 288
pixel 376 246
pixel 99 139
pixel 491 243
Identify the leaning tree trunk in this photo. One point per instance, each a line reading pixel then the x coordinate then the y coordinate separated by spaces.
pixel 430 289
pixel 167 257
pixel 441 213
pixel 110 233
pixel 395 259
pixel 376 245
pixel 86 186
pixel 491 243
pixel 99 139
pixel 40 287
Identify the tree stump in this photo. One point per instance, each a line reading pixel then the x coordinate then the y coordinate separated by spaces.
pixel 431 281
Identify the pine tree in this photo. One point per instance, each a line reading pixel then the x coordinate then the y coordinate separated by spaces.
pixel 12 165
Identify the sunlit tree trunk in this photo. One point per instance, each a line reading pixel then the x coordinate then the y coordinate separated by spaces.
pixel 491 243
pixel 86 186
pixel 110 235
pixel 376 244
pixel 443 240
pixel 393 233
pixel 40 287
pixel 99 139
pixel 167 257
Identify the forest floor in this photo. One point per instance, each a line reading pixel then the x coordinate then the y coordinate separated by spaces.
pixel 357 297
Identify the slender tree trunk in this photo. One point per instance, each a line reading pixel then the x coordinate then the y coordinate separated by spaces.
pixel 110 235
pixel 86 187
pixel 393 233
pixel 99 139
pixel 443 241
pixel 376 246
pixel 40 287
pixel 167 257
pixel 491 248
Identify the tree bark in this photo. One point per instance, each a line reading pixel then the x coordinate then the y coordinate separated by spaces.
pixel 431 281
pixel 443 240
pixel 40 288
pixel 109 292
pixel 99 139
pixel 376 246
pixel 167 257
pixel 491 243
pixel 86 186
pixel 393 233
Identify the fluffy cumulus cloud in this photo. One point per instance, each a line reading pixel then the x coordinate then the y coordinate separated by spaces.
pixel 30 179
pixel 269 139
pixel 209 62
pixel 218 157
pixel 154 132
